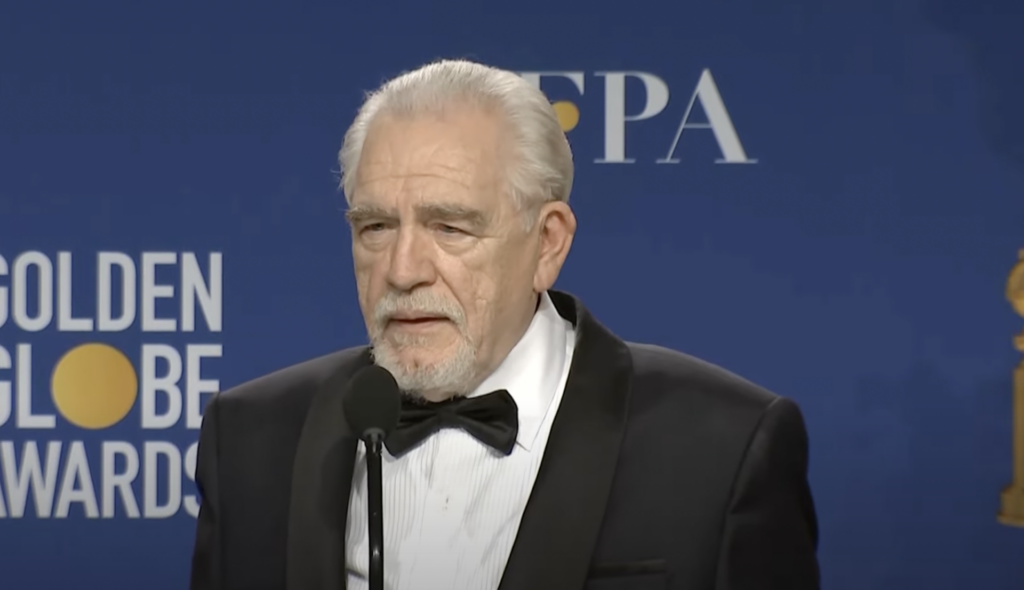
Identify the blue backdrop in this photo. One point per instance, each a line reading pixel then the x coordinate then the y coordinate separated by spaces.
pixel 846 244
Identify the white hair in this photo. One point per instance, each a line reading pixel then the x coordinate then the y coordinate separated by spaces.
pixel 543 167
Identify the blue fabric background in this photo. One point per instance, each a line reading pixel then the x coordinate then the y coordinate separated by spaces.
pixel 858 267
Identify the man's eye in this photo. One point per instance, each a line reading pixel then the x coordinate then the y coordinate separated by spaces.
pixel 373 227
pixel 447 229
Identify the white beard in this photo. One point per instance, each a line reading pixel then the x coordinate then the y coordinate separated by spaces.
pixel 451 376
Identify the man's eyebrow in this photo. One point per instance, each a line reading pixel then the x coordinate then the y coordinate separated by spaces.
pixel 452 212
pixel 362 213
pixel 429 212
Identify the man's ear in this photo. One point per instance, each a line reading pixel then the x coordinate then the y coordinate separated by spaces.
pixel 557 226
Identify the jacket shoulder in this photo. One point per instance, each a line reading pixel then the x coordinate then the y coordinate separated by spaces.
pixel 663 371
pixel 288 386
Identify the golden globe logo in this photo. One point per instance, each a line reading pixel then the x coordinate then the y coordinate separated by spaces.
pixel 50 465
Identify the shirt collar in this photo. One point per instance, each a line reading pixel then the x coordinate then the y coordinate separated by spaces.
pixel 532 371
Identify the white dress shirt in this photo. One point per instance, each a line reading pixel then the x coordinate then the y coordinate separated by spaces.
pixel 452 505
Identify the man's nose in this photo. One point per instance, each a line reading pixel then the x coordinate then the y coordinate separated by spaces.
pixel 412 263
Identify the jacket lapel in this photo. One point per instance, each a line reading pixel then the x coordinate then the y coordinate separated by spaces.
pixel 321 485
pixel 560 527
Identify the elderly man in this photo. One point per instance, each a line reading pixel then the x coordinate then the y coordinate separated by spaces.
pixel 627 466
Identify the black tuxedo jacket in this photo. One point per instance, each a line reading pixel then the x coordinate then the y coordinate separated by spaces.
pixel 661 471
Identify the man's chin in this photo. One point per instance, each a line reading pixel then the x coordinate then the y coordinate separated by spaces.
pixel 411 362
pixel 419 347
pixel 425 367
pixel 407 356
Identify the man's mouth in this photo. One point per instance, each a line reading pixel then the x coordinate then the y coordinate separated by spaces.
pixel 417 320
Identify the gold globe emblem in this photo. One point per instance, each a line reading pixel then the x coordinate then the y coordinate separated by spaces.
pixel 94 386
pixel 1015 285
pixel 1012 505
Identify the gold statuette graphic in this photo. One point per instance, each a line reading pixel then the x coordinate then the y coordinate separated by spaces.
pixel 1012 512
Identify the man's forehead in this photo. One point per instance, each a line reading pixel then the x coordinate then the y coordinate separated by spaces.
pixel 428 186
pixel 416 191
pixel 426 164
pixel 425 167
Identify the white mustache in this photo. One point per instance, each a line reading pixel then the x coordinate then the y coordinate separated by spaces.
pixel 419 302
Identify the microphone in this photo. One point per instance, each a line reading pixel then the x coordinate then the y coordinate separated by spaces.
pixel 372 403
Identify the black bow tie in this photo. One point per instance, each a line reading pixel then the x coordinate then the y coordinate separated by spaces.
pixel 493 419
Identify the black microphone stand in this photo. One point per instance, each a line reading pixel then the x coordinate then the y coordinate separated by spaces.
pixel 374 505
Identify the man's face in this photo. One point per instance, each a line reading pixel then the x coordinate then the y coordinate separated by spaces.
pixel 444 266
